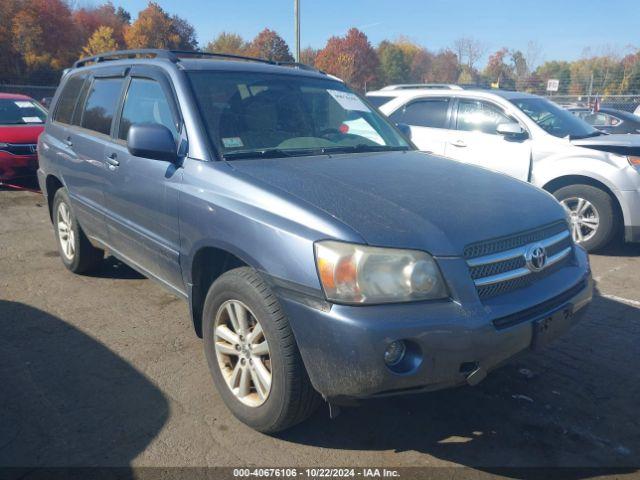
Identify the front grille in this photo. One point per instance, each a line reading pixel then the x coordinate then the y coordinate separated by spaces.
pixel 513 241
pixel 20 148
pixel 502 266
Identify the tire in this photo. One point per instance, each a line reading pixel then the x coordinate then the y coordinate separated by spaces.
pixel 291 397
pixel 603 209
pixel 76 252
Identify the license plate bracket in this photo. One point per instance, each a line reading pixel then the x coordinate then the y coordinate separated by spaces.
pixel 551 326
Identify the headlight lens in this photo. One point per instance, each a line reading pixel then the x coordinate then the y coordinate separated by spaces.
pixel 351 273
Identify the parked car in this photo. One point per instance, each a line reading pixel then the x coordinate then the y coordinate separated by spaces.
pixel 609 120
pixel 595 176
pixel 21 122
pixel 317 263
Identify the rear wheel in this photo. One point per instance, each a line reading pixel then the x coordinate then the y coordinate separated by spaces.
pixel 252 354
pixel 592 214
pixel 77 253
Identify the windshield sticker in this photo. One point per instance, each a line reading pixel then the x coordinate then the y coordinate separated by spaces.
pixel 24 104
pixel 348 101
pixel 31 119
pixel 232 142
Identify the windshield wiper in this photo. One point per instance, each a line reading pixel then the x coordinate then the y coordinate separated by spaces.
pixel 267 153
pixel 361 147
pixel 588 135
pixel 298 152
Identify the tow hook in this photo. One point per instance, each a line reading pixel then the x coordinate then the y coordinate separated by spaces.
pixel 334 410
pixel 476 376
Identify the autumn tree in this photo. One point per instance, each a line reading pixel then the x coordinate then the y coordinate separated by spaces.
pixel 154 28
pixel 351 58
pixel 308 56
pixel 445 67
pixel 45 35
pixel 88 20
pixel 227 42
pixel 271 46
pixel 498 71
pixel 101 41
pixel 557 70
pixel 10 61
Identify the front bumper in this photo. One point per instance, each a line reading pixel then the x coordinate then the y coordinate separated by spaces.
pixel 13 167
pixel 342 346
pixel 630 203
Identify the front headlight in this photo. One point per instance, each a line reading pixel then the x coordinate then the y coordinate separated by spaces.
pixel 351 273
pixel 634 161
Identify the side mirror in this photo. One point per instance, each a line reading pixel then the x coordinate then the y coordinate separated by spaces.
pixel 404 129
pixel 511 129
pixel 152 140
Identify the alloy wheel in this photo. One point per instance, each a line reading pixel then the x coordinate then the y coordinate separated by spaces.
pixel 583 216
pixel 243 353
pixel 66 233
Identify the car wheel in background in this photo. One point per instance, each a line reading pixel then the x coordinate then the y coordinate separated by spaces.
pixel 252 354
pixel 77 253
pixel 591 213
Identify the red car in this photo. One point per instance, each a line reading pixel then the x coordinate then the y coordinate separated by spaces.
pixel 21 122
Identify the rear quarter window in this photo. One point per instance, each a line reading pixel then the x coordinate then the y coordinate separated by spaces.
pixel 378 101
pixel 68 99
pixel 423 113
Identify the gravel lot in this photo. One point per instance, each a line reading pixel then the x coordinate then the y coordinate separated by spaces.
pixel 106 370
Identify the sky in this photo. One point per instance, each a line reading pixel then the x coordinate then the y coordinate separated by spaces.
pixel 562 28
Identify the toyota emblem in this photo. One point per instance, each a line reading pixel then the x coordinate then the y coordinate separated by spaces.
pixel 536 258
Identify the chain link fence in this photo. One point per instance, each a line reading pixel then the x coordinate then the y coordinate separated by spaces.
pixel 628 103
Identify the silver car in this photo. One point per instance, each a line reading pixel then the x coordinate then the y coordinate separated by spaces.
pixel 595 176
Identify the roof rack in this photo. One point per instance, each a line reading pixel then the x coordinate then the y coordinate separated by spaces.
pixel 175 56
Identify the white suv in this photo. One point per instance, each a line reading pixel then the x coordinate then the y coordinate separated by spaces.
pixel 595 176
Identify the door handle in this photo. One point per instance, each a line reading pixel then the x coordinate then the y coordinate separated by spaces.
pixel 68 142
pixel 112 161
pixel 459 143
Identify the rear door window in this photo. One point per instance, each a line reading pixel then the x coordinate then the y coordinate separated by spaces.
pixel 101 104
pixel 68 99
pixel 430 112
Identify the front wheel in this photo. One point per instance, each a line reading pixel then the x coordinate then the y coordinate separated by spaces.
pixel 591 213
pixel 252 354
pixel 77 253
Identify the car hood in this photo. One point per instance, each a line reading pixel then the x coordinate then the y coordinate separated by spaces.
pixel 410 199
pixel 20 133
pixel 623 144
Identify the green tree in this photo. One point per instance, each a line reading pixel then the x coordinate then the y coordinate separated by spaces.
pixel 557 70
pixel 227 42
pixel 394 66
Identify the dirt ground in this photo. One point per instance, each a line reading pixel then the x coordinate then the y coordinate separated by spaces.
pixel 106 370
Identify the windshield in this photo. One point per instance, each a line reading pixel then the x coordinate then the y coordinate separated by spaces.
pixel 20 112
pixel 554 119
pixel 252 115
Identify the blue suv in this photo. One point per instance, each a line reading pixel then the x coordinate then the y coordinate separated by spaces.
pixel 322 256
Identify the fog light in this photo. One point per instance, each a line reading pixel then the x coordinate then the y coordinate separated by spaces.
pixel 394 352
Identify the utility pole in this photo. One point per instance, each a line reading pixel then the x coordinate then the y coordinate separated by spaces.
pixel 296 14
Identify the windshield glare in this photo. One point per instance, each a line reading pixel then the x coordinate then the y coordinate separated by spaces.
pixel 246 113
pixel 554 119
pixel 20 112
